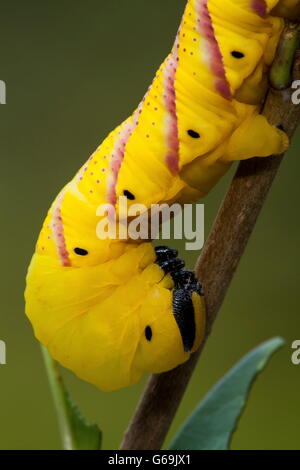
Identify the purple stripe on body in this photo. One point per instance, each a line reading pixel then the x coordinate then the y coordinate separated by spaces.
pixel 260 7
pixel 58 233
pixel 172 157
pixel 118 152
pixel 206 29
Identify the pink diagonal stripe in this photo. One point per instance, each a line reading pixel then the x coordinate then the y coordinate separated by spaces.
pixel 172 157
pixel 260 7
pixel 58 233
pixel 206 29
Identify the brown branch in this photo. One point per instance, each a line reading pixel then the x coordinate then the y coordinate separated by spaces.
pixel 215 267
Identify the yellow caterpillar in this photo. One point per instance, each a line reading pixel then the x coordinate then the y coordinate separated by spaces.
pixel 110 310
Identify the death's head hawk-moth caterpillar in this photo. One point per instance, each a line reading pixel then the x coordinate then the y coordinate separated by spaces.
pixel 110 310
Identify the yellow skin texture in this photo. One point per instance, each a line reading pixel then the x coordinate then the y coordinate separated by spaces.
pixel 91 311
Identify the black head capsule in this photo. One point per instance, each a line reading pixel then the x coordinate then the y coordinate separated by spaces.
pixel 183 310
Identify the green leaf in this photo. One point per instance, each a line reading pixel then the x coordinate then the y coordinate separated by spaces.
pixel 213 422
pixel 75 432
pixel 86 436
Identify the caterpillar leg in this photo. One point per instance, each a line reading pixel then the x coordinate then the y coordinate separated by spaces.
pixel 186 291
pixel 184 279
pixel 256 137
pixel 164 253
pixel 167 259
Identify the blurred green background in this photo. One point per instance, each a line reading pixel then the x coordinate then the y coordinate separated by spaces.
pixel 74 70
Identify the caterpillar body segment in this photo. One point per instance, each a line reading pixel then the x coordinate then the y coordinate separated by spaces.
pixel 94 319
pixel 111 309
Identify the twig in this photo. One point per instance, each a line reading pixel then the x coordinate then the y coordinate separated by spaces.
pixel 215 267
pixel 280 76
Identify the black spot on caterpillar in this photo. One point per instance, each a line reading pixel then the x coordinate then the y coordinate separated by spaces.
pixel 129 195
pixel 237 54
pixel 193 134
pixel 81 251
pixel 148 333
